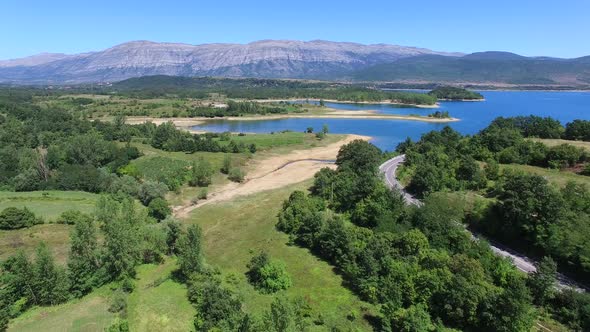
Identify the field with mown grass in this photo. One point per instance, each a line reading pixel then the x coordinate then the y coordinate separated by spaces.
pixel 88 314
pixel 49 204
pixel 159 303
pixel 558 177
pixel 287 140
pixel 235 231
pixel 555 142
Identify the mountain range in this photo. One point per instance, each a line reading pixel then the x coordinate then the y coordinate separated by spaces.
pixel 324 60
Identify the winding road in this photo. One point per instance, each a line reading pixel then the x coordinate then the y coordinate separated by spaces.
pixel 523 263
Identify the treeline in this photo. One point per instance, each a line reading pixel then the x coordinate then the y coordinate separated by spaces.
pixel 169 138
pixel 246 88
pixel 418 264
pixel 251 88
pixel 535 126
pixel 447 160
pixel 454 93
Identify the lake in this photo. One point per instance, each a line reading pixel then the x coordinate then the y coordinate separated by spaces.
pixel 564 106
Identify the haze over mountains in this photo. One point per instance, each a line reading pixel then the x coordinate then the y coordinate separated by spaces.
pixel 294 59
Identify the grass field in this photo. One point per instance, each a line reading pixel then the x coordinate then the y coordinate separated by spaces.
pixel 158 303
pixel 88 314
pixel 554 142
pixel 560 178
pixel 56 236
pixel 49 204
pixel 236 230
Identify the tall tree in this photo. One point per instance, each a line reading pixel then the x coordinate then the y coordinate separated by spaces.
pixel 190 258
pixel 83 261
pixel 542 281
pixel 50 282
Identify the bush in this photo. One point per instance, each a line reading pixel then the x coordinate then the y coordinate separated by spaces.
pixel 266 275
pixel 226 167
pixel 159 209
pixel 72 217
pixel 150 190
pixel 202 193
pixel 15 218
pixel 236 175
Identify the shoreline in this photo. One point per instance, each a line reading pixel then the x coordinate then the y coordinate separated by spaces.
pixel 335 101
pixel 274 171
pixel 188 123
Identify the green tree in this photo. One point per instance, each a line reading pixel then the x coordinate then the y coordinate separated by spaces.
pixel 266 275
pixel 201 173
pixel 218 309
pixel 83 260
pixel 159 208
pixel 122 239
pixel 413 319
pixel 542 281
pixel 150 190
pixel 50 281
pixel 286 316
pixel 492 169
pixel 227 164
pixel 190 257
pixel 529 205
pixel 173 233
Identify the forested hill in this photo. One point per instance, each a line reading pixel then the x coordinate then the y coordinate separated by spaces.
pixel 485 67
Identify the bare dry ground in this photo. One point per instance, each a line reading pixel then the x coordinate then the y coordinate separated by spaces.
pixel 274 172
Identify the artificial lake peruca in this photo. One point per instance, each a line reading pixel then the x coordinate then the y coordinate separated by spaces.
pixel 474 116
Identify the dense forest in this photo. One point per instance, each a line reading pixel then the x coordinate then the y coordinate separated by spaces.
pixel 454 93
pixel 201 87
pixel 418 263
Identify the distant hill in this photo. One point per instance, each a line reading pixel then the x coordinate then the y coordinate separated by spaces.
pixel 484 67
pixel 266 58
pixel 320 60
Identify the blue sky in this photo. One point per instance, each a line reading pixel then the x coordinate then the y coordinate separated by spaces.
pixel 541 27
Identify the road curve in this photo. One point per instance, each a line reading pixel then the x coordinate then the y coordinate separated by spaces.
pixel 523 263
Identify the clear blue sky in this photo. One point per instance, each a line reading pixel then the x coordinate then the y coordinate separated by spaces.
pixel 528 27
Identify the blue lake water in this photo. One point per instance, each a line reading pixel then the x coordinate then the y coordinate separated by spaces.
pixel 564 106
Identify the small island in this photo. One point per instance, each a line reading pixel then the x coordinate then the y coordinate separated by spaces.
pixel 455 93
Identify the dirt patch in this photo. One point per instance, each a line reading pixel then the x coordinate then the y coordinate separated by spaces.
pixel 275 172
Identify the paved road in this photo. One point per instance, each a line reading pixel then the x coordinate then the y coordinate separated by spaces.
pixel 521 262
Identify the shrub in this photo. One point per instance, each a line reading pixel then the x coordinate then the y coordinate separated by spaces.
pixel 202 193
pixel 226 167
pixel 236 175
pixel 150 190
pixel 266 275
pixel 15 218
pixel 72 217
pixel 159 209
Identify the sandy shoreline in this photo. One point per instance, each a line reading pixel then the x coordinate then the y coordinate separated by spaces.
pixel 274 172
pixel 187 123
pixel 388 102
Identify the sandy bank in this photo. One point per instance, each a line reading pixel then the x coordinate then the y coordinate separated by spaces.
pixel 274 172
pixel 187 123
pixel 389 102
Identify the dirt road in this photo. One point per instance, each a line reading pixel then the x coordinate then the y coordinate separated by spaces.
pixel 275 172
